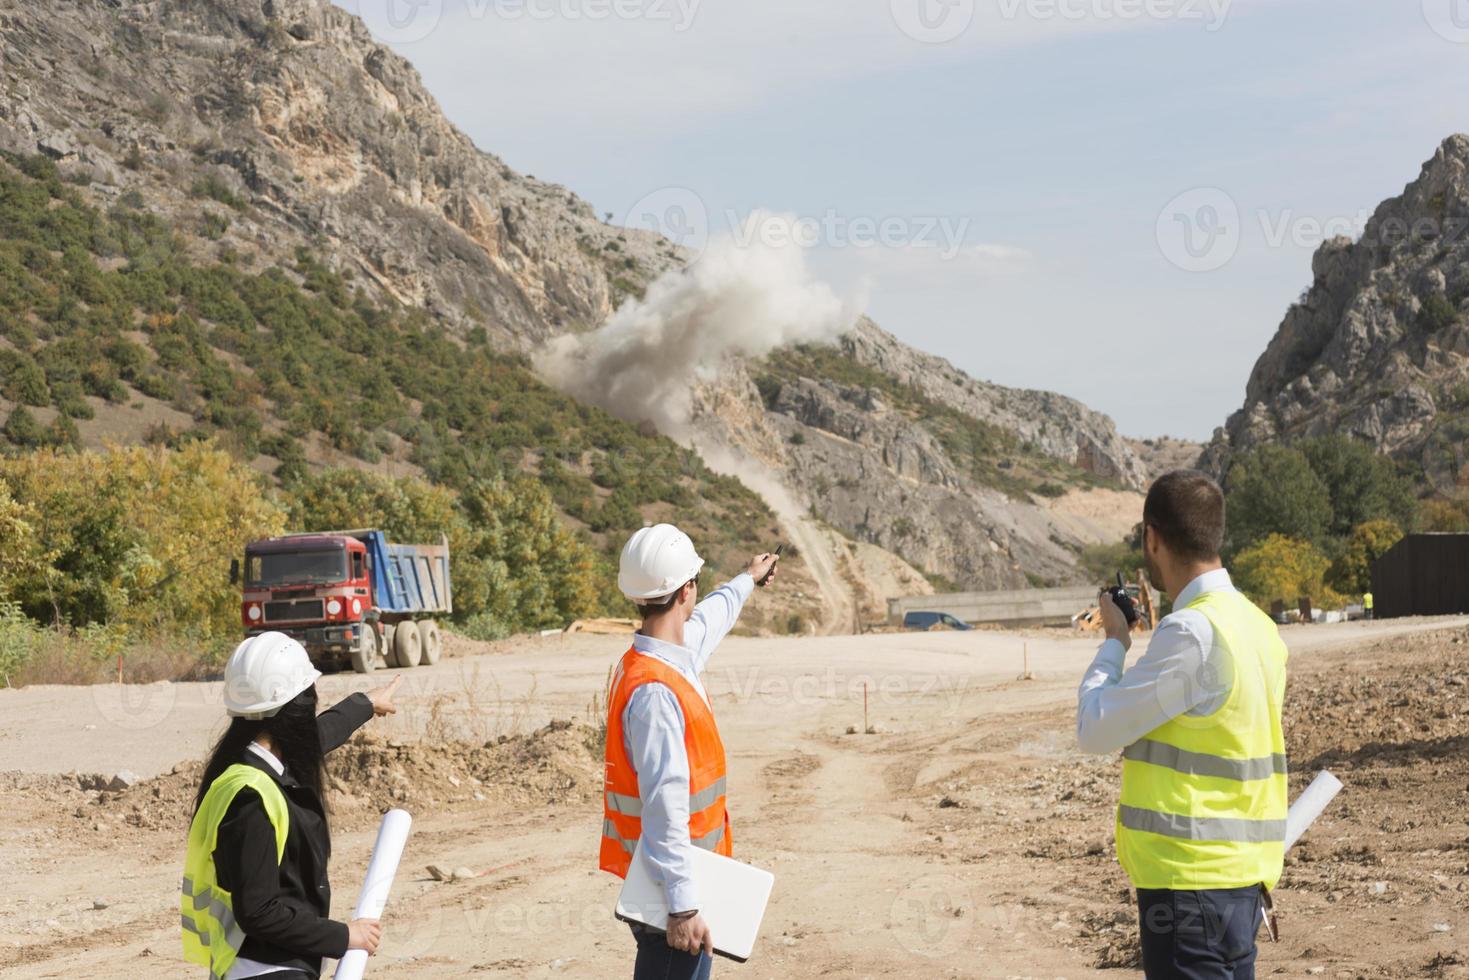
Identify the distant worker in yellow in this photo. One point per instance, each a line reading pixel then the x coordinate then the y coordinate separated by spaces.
pixel 1367 604
pixel 1201 818
pixel 665 760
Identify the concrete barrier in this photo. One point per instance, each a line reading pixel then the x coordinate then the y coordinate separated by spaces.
pixel 1026 607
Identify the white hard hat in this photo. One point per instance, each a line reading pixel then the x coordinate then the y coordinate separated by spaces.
pixel 264 674
pixel 656 562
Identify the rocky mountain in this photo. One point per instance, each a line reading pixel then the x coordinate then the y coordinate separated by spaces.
pixel 262 128
pixel 1378 346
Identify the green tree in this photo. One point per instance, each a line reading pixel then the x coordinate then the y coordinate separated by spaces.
pixel 1364 485
pixel 1281 567
pixel 22 429
pixel 537 573
pixel 1351 573
pixel 24 381
pixel 1272 489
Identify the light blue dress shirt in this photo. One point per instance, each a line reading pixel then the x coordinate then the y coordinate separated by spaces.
pixel 1182 672
pixel 653 734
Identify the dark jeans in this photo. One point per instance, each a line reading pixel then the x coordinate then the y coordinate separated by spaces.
pixel 659 961
pixel 1203 935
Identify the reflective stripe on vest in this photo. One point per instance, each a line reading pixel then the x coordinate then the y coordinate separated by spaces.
pixel 1203 801
pixel 622 818
pixel 211 936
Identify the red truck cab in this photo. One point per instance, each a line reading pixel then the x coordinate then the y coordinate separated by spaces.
pixel 348 596
pixel 314 587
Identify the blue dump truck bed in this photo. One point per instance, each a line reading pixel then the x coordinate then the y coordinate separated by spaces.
pixel 408 578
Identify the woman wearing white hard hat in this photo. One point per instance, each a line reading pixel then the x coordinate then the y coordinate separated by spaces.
pixel 255 897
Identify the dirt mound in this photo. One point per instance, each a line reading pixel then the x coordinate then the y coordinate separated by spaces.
pixel 558 764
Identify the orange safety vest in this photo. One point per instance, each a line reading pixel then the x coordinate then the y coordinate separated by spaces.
pixel 622 813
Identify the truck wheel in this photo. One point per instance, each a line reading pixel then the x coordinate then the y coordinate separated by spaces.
pixel 407 645
pixel 433 643
pixel 364 654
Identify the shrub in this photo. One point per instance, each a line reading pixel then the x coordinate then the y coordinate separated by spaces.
pixel 137 537
pixel 1351 573
pixel 1284 568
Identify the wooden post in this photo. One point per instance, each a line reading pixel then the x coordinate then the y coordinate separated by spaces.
pixel 866 728
pixel 119 667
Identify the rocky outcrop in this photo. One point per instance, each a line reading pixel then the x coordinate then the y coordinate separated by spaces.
pixel 1378 346
pixel 286 118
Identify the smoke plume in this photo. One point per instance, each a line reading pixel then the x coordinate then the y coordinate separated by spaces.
pixel 739 300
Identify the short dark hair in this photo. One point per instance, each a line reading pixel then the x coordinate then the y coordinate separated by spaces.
pixel 1186 509
pixel 655 607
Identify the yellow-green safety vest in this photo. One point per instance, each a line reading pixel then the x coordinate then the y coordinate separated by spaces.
pixel 212 938
pixel 1204 799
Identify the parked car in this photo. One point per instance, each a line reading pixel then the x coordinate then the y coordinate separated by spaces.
pixel 933 620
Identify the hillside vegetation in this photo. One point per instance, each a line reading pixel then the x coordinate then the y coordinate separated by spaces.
pixel 287 368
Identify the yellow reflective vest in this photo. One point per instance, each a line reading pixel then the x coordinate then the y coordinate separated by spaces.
pixel 212 938
pixel 1204 799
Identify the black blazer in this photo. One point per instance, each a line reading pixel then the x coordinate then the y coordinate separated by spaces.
pixel 283 910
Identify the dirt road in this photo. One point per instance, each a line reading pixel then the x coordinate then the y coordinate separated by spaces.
pixel 965 838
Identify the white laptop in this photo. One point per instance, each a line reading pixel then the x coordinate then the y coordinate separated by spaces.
pixel 732 900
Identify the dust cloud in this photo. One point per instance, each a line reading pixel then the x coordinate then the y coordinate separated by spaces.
pixel 740 300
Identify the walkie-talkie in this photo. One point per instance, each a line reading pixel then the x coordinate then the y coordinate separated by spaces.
pixel 766 577
pixel 1123 601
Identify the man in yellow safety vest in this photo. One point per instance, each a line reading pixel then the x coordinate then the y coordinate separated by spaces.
pixel 1201 818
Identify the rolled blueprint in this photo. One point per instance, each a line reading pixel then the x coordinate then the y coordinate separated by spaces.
pixel 391 837
pixel 1310 805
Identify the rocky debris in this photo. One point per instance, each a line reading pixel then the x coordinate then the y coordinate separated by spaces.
pixel 1378 346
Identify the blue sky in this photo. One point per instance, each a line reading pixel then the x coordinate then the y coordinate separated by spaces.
pixel 1114 199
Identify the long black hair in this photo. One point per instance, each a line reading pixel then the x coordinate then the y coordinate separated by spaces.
pixel 294 739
